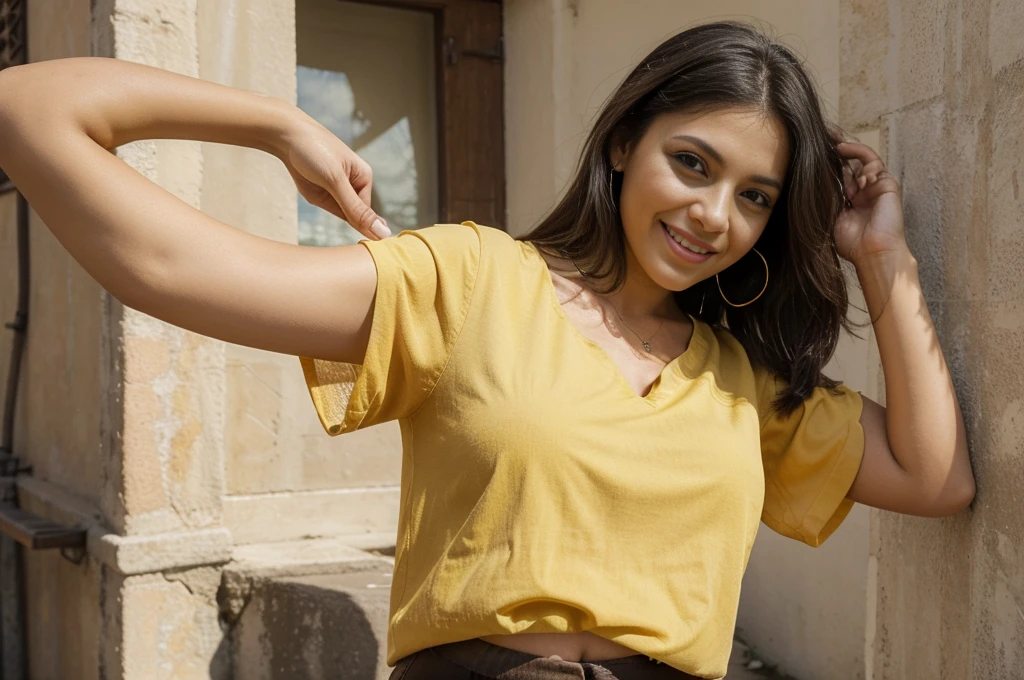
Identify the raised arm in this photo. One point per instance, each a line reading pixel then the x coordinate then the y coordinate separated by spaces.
pixel 157 254
pixel 915 450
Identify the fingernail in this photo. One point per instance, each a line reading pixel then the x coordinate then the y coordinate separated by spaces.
pixel 379 229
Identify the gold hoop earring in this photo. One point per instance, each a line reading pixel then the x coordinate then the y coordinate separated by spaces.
pixel 744 304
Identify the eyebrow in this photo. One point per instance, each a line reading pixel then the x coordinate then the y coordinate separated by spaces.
pixel 710 150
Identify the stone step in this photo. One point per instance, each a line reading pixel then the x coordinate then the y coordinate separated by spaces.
pixel 314 609
pixel 316 627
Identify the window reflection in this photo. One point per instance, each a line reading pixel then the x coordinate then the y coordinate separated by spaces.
pixel 383 107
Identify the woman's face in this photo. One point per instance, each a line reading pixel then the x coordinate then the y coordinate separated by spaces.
pixel 711 179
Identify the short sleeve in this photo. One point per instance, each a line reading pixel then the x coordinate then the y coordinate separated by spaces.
pixel 810 458
pixel 425 282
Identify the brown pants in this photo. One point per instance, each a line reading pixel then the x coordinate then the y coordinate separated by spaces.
pixel 480 660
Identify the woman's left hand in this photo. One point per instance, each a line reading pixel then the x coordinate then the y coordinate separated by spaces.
pixel 872 224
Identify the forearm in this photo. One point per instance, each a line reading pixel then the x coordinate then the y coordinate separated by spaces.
pixel 924 424
pixel 56 120
pixel 115 102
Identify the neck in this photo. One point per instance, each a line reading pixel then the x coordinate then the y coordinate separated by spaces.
pixel 642 298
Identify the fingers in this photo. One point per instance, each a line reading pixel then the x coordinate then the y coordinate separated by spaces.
pixel 863 168
pixel 862 152
pixel 867 187
pixel 358 213
pixel 849 182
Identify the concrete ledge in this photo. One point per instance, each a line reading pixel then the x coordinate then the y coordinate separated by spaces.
pixel 253 566
pixel 132 555
pixel 275 517
pixel 127 555
pixel 300 558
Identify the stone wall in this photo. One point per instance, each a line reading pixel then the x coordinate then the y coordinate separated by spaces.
pixel 944 82
pixel 171 448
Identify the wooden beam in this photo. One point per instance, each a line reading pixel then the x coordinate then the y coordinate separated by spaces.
pixel 39 533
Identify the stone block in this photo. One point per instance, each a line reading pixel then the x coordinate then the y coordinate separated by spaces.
pixel 917 156
pixel 160 552
pixel 170 629
pixel 968 69
pixel 145 358
pixel 867 74
pixel 1005 28
pixel 193 430
pixel 254 459
pixel 369 457
pixel 251 565
pixel 320 627
pixel 143 477
pixel 309 556
pixel 268 518
pixel 920 38
pixel 1005 198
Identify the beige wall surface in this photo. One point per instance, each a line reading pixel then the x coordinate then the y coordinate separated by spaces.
pixel 59 419
pixel 945 83
pixel 285 478
pixel 802 608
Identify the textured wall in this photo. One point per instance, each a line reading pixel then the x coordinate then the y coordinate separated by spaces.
pixel 59 419
pixel 944 80
pixel 285 478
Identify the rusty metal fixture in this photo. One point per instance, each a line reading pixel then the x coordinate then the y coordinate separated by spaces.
pixel 13 51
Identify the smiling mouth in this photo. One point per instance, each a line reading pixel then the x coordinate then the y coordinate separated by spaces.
pixel 692 247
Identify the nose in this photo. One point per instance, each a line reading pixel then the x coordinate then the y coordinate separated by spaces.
pixel 712 210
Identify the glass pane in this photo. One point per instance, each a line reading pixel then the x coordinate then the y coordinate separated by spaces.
pixel 367 73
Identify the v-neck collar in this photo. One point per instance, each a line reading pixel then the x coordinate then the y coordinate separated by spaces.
pixel 682 366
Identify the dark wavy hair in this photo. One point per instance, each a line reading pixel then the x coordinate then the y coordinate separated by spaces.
pixel 793 328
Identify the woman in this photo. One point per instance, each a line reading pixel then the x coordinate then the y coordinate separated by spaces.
pixel 595 417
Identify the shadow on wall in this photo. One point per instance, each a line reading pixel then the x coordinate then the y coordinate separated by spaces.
pixel 313 627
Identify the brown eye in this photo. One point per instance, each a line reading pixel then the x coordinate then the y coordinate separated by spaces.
pixel 686 158
pixel 767 201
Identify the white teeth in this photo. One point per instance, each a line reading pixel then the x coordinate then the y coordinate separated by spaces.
pixel 686 244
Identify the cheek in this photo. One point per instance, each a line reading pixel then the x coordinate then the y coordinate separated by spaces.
pixel 647 193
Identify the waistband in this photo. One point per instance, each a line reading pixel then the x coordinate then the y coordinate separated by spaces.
pixel 495 661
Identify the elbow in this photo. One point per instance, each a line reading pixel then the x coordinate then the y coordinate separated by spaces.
pixel 954 498
pixel 965 496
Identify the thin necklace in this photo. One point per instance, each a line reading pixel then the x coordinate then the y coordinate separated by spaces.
pixel 646 343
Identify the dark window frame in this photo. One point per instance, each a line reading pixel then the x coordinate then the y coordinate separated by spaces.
pixel 469 57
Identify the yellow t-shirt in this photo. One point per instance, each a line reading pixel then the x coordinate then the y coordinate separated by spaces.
pixel 539 492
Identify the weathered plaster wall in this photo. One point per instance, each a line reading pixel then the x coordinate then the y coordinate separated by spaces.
pixel 57 408
pixel 802 608
pixel 59 417
pixel 163 442
pixel 120 415
pixel 944 80
pixel 284 477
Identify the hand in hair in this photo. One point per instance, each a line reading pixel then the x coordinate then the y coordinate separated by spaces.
pixel 872 223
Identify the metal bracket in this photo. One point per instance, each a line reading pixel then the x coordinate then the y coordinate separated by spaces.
pixel 452 54
pixel 38 533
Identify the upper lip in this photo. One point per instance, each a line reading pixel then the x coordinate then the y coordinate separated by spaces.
pixel 692 239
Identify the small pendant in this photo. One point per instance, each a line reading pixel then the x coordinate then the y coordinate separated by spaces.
pixel 646 346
